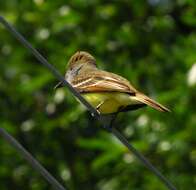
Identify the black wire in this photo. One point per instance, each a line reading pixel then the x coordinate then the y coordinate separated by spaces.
pixel 92 110
pixel 143 159
pixel 34 163
pixel 20 38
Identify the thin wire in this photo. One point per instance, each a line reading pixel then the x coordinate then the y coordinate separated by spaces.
pixel 20 38
pixel 114 131
pixel 33 162
pixel 143 159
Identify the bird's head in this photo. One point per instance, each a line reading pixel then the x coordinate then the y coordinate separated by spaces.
pixel 80 60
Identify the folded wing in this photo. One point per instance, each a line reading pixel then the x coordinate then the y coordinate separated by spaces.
pixel 102 81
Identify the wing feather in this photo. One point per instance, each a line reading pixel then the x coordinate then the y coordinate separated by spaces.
pixel 102 81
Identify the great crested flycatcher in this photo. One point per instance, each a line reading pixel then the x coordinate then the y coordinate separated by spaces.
pixel 107 92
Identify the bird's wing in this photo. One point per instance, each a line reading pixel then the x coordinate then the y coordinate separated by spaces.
pixel 102 81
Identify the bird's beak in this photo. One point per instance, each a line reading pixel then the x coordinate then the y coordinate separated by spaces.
pixel 58 85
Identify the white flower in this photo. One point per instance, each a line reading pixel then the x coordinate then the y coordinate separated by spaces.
pixel 165 145
pixel 128 158
pixel 43 33
pixel 142 120
pixel 65 174
pixel 27 125
pixel 50 108
pixel 59 96
pixel 64 10
pixel 191 78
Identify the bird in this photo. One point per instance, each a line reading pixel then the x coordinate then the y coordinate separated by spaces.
pixel 107 92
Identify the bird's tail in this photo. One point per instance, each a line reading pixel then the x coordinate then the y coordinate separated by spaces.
pixel 148 101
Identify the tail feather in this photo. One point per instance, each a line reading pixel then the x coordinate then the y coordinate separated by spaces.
pixel 146 100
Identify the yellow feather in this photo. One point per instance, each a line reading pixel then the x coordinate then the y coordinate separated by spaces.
pixel 110 101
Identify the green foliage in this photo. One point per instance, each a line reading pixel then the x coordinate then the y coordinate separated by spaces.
pixel 152 43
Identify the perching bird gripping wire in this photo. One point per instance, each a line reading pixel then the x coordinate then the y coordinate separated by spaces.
pixel 94 112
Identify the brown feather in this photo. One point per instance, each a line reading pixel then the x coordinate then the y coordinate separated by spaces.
pixel 101 81
pixel 148 101
pixel 90 79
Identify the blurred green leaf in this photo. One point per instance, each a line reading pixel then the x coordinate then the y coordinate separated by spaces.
pixel 151 43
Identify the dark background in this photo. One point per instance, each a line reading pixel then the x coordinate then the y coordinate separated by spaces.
pixel 152 43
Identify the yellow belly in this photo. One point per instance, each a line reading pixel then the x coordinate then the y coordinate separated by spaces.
pixel 109 102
